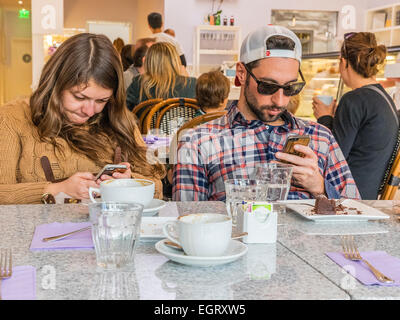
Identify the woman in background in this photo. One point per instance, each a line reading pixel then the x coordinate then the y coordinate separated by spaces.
pixel 77 120
pixel 118 44
pixel 162 77
pixel 127 53
pixel 136 68
pixel 365 123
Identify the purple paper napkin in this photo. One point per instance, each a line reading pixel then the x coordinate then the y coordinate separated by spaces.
pixel 21 286
pixel 385 263
pixel 149 139
pixel 79 240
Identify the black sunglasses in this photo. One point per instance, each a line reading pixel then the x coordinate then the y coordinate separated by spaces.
pixel 347 36
pixel 268 88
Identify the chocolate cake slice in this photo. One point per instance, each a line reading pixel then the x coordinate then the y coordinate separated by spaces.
pixel 324 205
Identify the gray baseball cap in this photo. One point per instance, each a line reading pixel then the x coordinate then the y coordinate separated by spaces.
pixel 254 46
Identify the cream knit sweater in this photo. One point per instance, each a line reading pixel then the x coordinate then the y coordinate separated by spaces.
pixel 22 179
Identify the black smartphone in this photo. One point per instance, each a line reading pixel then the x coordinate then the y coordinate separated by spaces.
pixel 292 141
pixel 109 169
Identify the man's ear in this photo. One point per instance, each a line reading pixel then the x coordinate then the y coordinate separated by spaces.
pixel 240 74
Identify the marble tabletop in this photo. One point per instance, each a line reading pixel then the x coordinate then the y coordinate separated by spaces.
pixel 294 268
pixel 311 241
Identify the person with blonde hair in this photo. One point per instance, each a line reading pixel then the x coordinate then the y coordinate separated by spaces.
pixel 365 123
pixel 74 123
pixel 162 77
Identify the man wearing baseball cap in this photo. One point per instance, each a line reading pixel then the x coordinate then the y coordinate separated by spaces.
pixel 256 128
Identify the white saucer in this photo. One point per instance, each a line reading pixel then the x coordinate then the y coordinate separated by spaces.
pixel 235 250
pixel 153 207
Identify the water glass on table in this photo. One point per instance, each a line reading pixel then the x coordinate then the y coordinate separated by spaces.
pixel 278 176
pixel 240 190
pixel 115 232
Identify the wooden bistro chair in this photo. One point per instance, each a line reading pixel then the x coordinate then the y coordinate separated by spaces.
pixel 200 120
pixel 391 178
pixel 189 125
pixel 163 113
pixel 144 108
pixel 392 181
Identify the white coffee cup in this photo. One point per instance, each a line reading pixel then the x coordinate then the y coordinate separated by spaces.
pixel 325 99
pixel 125 190
pixel 202 234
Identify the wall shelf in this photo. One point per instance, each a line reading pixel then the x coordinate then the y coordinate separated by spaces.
pixel 214 45
pixel 385 23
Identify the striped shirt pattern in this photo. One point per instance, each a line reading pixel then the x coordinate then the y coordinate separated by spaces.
pixel 230 147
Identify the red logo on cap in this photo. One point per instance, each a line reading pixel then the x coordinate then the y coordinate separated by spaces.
pixel 268 53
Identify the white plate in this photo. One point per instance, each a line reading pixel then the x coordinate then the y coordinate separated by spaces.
pixel 340 228
pixel 153 207
pixel 235 250
pixel 367 212
pixel 152 228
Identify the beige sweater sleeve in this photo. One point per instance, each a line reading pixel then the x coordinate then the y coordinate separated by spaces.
pixel 12 192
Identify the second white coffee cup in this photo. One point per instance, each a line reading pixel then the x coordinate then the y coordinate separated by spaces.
pixel 203 234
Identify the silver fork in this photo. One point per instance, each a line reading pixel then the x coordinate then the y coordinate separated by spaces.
pixel 351 252
pixel 5 265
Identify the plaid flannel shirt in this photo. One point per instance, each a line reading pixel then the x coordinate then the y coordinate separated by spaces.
pixel 231 146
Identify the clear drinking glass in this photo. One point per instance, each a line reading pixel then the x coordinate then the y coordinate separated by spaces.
pixel 115 232
pixel 239 190
pixel 278 176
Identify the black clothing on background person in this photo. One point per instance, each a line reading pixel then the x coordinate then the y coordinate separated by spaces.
pixel 365 127
pixel 179 91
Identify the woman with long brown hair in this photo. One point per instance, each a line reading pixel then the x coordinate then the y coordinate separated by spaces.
pixel 365 123
pixel 164 77
pixel 76 119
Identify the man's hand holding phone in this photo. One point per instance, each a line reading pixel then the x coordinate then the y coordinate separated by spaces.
pixel 305 171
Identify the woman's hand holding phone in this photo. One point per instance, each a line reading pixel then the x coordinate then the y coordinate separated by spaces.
pixel 76 186
pixel 118 175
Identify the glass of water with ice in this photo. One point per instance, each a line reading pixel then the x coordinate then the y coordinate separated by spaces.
pixel 115 232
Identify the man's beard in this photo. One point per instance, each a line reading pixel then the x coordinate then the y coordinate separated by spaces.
pixel 259 110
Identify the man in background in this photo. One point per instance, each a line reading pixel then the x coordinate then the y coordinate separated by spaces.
pixel 155 22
